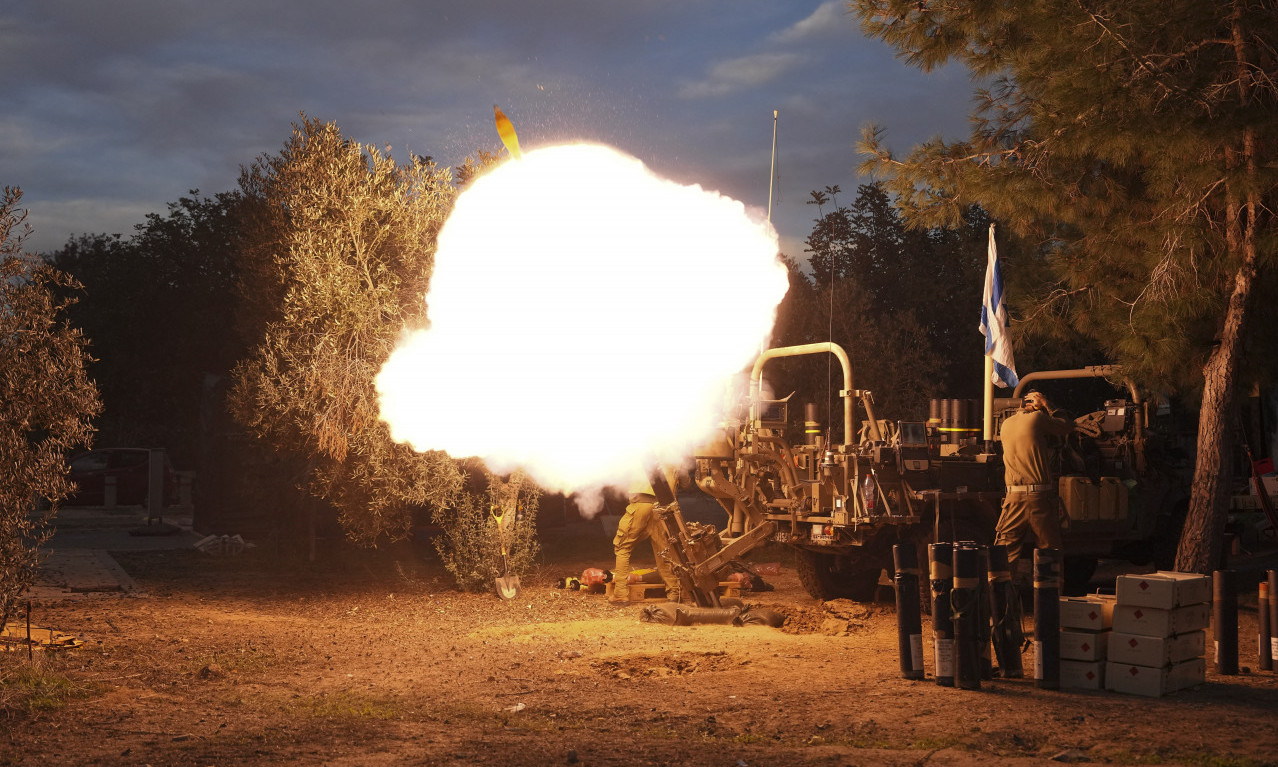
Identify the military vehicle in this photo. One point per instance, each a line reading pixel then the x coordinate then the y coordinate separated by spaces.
pixel 842 505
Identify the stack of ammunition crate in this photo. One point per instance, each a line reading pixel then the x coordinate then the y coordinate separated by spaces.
pixel 1159 636
pixel 1085 636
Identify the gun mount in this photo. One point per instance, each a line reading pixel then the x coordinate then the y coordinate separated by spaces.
pixel 842 504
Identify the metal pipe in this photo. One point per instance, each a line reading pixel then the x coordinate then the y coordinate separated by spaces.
pixel 1273 613
pixel 983 632
pixel 811 427
pixel 964 600
pixel 1047 618
pixel 1265 659
pixel 909 624
pixel 756 379
pixel 941 577
pixel 1225 621
pixel 1091 371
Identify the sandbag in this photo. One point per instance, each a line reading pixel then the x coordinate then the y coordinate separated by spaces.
pixel 672 614
pixel 662 612
pixel 689 615
pixel 762 616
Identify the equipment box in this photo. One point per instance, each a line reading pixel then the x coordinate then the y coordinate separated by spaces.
pixel 1090 613
pixel 1083 645
pixel 1156 651
pixel 1152 622
pixel 1153 682
pixel 1164 590
pixel 1111 499
pixel 1080 496
pixel 1082 675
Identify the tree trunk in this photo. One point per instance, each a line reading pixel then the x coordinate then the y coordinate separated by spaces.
pixel 1202 539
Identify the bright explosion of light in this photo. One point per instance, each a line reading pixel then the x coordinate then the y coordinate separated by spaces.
pixel 586 317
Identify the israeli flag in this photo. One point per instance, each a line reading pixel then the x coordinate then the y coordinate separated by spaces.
pixel 994 324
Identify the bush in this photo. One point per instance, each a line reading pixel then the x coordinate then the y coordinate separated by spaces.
pixel 470 546
pixel 47 401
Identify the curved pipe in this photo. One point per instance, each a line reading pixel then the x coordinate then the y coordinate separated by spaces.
pixel 1098 371
pixel 1091 371
pixel 756 378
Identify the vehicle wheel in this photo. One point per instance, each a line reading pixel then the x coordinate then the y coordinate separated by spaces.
pixel 1078 575
pixel 830 576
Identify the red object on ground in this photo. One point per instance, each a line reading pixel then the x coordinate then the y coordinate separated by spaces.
pixel 594 576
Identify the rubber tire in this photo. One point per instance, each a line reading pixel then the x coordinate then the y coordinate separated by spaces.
pixel 823 578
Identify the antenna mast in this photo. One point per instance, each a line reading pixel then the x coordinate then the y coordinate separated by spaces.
pixel 772 176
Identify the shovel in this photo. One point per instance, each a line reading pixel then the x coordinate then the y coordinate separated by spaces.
pixel 507 583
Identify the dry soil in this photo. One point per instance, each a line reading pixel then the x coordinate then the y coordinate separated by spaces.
pixel 374 659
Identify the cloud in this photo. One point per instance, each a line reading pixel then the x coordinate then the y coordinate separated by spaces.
pixel 829 20
pixel 132 103
pixel 733 75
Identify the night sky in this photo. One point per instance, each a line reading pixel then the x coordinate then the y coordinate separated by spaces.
pixel 113 109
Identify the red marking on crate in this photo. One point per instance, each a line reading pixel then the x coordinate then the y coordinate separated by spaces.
pixel 1133 670
pixel 1091 675
pixel 1144 585
pixel 1132 642
pixel 1139 614
pixel 1092 615
pixel 1086 647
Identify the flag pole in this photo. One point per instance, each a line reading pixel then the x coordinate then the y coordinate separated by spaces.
pixel 988 423
pixel 989 401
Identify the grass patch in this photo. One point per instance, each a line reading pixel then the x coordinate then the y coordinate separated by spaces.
pixel 242 660
pixel 348 707
pixel 659 733
pixel 935 744
pixel 30 687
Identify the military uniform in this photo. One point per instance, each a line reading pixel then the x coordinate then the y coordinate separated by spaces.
pixel 1031 508
pixel 637 524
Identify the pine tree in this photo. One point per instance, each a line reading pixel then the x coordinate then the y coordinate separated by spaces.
pixel 1135 142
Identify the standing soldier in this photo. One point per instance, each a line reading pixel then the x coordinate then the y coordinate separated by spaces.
pixel 1031 508
pixel 640 522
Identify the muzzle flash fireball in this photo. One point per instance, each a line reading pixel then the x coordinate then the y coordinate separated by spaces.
pixel 586 317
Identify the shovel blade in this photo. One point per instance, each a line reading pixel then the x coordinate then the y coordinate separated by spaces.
pixel 508 586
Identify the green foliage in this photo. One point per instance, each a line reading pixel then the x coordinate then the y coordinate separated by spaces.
pixel 1142 159
pixel 32 687
pixel 471 544
pixel 157 308
pixel 1124 151
pixel 339 246
pixel 895 298
pixel 47 401
pixel 348 706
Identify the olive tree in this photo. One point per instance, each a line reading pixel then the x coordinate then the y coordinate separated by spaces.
pixel 339 246
pixel 47 402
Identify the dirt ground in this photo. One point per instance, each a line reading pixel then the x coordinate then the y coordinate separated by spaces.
pixel 373 659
